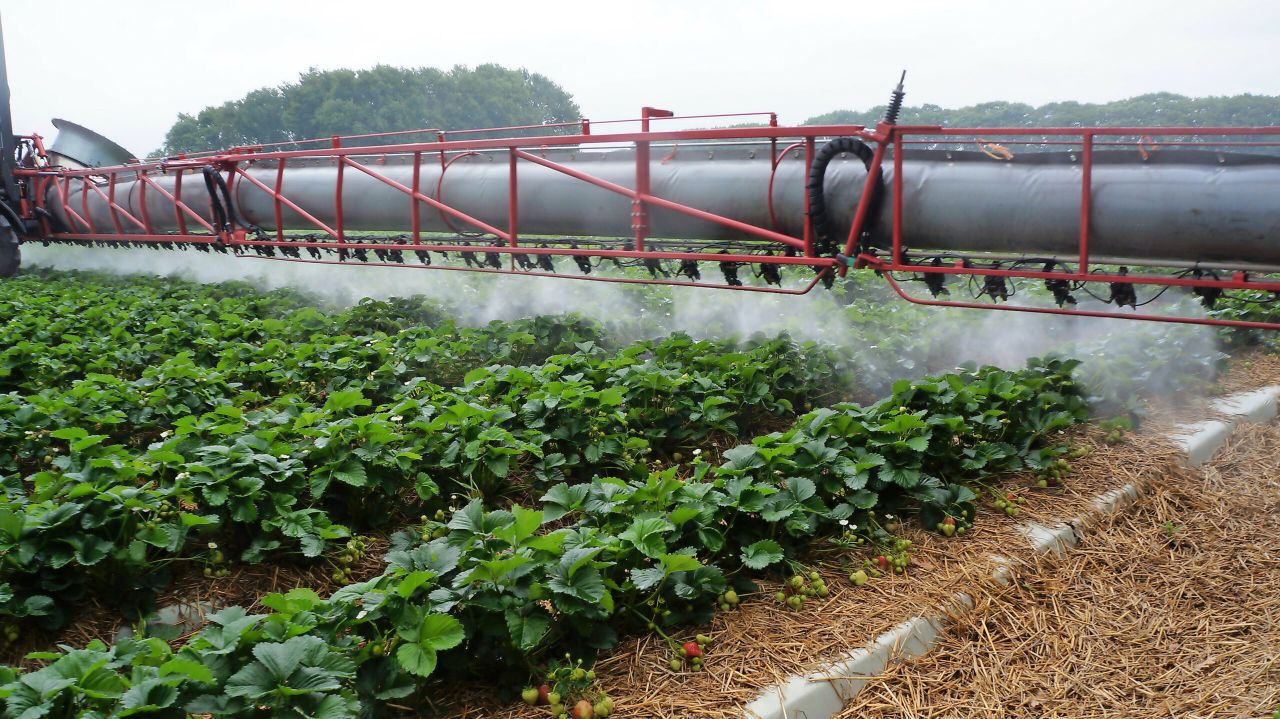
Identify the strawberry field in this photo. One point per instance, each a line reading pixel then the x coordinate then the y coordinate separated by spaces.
pixel 497 505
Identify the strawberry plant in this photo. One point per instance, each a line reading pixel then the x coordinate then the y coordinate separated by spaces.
pixel 553 482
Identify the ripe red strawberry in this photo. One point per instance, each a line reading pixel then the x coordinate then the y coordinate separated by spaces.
pixel 883 562
pixel 543 691
pixel 1011 497
pixel 691 649
pixel 584 710
pixel 949 520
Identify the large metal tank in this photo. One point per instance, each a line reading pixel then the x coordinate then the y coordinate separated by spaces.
pixel 1175 206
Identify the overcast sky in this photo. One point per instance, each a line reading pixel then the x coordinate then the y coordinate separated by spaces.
pixel 126 68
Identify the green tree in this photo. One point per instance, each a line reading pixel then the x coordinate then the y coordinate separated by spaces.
pixel 1153 109
pixel 383 98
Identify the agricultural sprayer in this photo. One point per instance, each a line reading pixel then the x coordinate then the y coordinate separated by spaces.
pixel 1120 213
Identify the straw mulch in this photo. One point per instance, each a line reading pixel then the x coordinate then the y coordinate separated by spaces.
pixel 1251 369
pixel 1173 611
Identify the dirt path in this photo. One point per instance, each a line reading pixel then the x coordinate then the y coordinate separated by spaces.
pixel 1173 611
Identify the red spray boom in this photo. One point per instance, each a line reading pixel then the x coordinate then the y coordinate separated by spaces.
pixel 1126 211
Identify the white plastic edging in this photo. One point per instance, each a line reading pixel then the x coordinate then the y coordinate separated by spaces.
pixel 824 693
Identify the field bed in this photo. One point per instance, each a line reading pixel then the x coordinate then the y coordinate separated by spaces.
pixel 761 646
pixel 423 517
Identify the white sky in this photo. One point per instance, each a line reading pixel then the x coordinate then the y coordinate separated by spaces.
pixel 126 68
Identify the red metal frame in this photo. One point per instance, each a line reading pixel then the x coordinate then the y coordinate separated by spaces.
pixel 897 261
pixel 450 146
pixel 448 149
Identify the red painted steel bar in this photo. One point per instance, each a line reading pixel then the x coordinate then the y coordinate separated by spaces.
pixel 111 201
pixel 1083 313
pixel 513 195
pixel 287 202
pixel 589 278
pixel 110 237
pixel 748 133
pixel 415 208
pixel 142 205
pixel 146 181
pixel 337 196
pixel 276 209
pixel 897 198
pixel 530 249
pixel 84 201
pixel 442 207
pixel 1076 131
pixel 64 192
pixel 1086 201
pixel 869 187
pixel 1136 279
pixel 661 202
pixel 810 150
pixel 178 217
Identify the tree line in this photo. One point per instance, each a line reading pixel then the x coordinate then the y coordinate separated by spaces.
pixel 1154 109
pixel 322 103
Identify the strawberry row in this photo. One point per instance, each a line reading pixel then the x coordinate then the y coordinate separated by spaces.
pixel 494 592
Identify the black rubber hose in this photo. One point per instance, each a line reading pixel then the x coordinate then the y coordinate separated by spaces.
pixel 231 206
pixel 210 184
pixel 823 227
pixel 214 178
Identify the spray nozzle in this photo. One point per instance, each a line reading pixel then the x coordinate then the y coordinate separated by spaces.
pixel 936 281
pixel 1208 295
pixel 1061 289
pixel 1123 293
pixel 995 286
pixel 689 268
pixel 730 270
